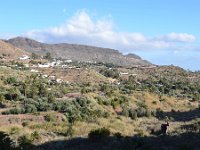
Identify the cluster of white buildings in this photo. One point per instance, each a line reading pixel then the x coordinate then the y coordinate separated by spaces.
pixel 48 64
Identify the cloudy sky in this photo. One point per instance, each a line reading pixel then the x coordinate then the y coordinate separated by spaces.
pixel 163 32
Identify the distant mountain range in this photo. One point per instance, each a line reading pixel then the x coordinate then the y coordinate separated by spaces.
pixel 77 52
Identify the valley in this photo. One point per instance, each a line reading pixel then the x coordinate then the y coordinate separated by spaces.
pixel 47 102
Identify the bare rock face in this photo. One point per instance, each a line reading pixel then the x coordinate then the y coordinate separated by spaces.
pixel 81 53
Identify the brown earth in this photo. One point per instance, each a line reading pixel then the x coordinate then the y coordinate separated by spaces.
pixel 11 51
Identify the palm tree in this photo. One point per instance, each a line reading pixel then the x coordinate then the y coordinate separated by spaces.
pixel 42 90
pixel 24 87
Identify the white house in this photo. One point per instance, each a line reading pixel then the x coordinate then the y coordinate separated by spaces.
pixel 33 70
pixel 52 77
pixel 59 80
pixel 46 65
pixel 24 57
pixel 123 73
pixel 44 75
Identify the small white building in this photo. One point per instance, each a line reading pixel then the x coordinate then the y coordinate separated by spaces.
pixel 24 57
pixel 52 77
pixel 26 65
pixel 59 80
pixel 123 73
pixel 44 76
pixel 33 70
pixel 46 65
pixel 68 61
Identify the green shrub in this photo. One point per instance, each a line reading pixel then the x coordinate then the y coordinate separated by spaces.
pixel 50 117
pixel 30 108
pixel 141 112
pixel 14 130
pixel 35 136
pixel 14 111
pixel 25 141
pixel 11 80
pixel 148 113
pixel 133 114
pixel 113 73
pixel 70 131
pixel 2 99
pixel 125 112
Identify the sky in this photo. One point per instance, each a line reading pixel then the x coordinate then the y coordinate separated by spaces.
pixel 163 32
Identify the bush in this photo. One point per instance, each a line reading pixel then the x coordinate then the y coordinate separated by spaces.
pixel 148 113
pixel 133 114
pixel 141 112
pixel 30 108
pixel 14 111
pixel 113 73
pixel 35 136
pixel 14 130
pixel 25 142
pixel 11 80
pixel 50 117
pixel 125 112
pixel 99 134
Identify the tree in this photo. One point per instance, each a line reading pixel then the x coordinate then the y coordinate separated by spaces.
pixel 131 79
pixel 48 56
pixel 71 117
pixel 24 88
pixel 34 56
pixel 13 94
pixel 33 91
pixel 42 90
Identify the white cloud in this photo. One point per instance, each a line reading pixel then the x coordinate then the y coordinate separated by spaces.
pixel 83 29
pixel 7 35
pixel 178 37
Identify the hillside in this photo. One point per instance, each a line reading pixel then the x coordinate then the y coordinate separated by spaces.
pixel 7 49
pixel 127 105
pixel 79 52
pixel 86 106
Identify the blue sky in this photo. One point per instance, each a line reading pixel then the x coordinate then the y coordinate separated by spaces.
pixel 163 32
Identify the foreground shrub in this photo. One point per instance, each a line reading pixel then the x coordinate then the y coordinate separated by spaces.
pixel 25 142
pixel 35 136
pixel 5 142
pixel 99 134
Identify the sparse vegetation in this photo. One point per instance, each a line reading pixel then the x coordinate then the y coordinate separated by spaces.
pixel 97 101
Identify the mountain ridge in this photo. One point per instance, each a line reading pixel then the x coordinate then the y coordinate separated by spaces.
pixel 78 52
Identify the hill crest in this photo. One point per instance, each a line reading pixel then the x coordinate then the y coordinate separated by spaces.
pixel 80 53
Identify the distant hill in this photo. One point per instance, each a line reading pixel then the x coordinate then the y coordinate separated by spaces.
pixel 10 50
pixel 79 52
